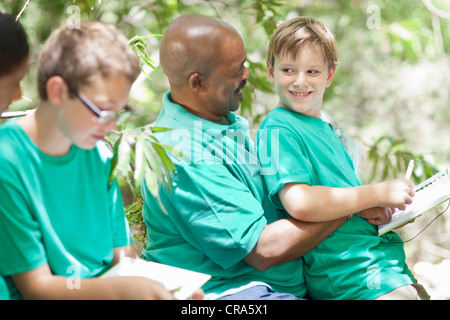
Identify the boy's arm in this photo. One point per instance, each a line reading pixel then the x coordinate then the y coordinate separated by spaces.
pixel 41 284
pixel 377 215
pixel 320 203
pixel 288 239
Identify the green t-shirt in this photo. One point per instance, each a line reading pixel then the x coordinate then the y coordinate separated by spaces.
pixel 4 291
pixel 217 208
pixel 57 210
pixel 353 262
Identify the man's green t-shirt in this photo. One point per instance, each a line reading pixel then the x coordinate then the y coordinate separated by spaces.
pixel 57 210
pixel 353 262
pixel 218 206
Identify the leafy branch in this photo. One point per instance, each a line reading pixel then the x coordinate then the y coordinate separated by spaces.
pixel 390 159
pixel 137 154
pixel 138 44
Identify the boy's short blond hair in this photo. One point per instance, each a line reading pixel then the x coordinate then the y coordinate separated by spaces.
pixel 296 33
pixel 77 54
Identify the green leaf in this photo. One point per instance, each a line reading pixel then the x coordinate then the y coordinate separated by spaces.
pixel 139 47
pixel 160 129
pixel 151 181
pixel 114 160
pixel 139 161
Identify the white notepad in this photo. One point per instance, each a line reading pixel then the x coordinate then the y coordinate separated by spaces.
pixel 181 282
pixel 429 194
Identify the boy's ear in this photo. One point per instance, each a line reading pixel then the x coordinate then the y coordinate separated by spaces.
pixel 196 82
pixel 56 90
pixel 270 72
pixel 331 73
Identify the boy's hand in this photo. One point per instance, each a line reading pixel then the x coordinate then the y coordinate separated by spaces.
pixel 42 284
pixel 377 216
pixel 395 193
pixel 140 288
pixel 199 294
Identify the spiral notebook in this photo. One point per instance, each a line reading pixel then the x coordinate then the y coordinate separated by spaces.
pixel 429 194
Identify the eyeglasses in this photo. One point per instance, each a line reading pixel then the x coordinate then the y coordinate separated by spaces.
pixel 104 116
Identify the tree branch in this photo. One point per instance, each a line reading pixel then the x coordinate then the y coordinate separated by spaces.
pixel 23 9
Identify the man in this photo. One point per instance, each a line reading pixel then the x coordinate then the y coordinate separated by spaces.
pixel 217 218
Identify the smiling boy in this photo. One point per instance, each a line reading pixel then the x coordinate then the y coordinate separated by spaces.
pixel 314 178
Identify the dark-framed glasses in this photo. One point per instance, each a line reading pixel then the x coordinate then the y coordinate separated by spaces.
pixel 104 116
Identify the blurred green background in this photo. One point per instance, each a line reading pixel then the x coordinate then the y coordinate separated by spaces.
pixel 391 92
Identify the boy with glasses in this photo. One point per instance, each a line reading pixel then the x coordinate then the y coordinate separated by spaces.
pixel 61 222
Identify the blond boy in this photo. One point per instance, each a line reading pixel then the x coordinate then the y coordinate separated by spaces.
pixel 313 178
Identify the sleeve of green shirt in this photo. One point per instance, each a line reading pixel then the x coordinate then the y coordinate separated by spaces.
pixel 20 235
pixel 288 160
pixel 121 230
pixel 4 291
pixel 215 212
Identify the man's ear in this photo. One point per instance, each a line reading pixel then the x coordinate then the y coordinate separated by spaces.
pixel 270 72
pixel 57 90
pixel 196 82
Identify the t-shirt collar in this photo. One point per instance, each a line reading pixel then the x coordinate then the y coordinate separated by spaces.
pixel 176 111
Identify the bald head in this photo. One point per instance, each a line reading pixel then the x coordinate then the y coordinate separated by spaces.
pixel 193 44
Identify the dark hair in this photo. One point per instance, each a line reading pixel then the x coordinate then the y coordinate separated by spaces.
pixel 13 43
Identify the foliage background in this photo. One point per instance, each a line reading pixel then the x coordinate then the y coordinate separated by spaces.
pixel 391 91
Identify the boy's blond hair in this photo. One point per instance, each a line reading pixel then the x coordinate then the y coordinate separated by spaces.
pixel 299 32
pixel 95 48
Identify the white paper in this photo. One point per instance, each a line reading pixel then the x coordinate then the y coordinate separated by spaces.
pixel 182 282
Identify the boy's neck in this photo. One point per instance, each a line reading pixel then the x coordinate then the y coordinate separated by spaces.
pixel 41 127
